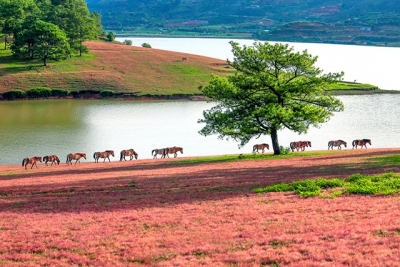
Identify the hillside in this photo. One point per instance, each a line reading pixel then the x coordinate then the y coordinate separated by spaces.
pixel 370 22
pixel 117 67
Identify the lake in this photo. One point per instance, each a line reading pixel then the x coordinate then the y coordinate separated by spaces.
pixel 365 64
pixel 43 127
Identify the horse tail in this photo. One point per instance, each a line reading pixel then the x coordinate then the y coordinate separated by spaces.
pixel 121 155
pixel 254 148
pixel 68 157
pixel 23 161
pixel 354 143
pixel 94 155
pixel 152 152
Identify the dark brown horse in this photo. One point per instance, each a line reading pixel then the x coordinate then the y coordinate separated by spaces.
pixel 362 142
pixel 52 159
pixel 75 156
pixel 105 155
pixel 260 147
pixel 32 161
pixel 173 150
pixel 128 152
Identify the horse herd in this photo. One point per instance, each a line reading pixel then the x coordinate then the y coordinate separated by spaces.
pixel 131 153
pixel 301 145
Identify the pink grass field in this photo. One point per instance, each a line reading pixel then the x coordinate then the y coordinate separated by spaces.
pixel 165 213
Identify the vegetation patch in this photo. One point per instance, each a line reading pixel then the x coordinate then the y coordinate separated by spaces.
pixel 384 184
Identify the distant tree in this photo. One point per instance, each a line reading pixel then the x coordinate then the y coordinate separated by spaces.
pixel 40 39
pixel 146 45
pixel 110 36
pixel 273 88
pixel 128 42
pixel 97 23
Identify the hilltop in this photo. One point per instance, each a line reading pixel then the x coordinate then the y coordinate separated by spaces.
pixel 117 67
pixel 362 22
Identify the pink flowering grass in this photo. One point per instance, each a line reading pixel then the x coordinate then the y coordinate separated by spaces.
pixel 157 213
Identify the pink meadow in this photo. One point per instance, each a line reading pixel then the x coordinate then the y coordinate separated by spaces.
pixel 162 213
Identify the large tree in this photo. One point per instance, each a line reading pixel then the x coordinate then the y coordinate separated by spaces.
pixel 273 88
pixel 39 39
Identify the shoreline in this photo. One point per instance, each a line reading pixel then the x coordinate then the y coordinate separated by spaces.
pixel 188 97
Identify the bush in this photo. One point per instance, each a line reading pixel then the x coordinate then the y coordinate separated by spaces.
pixel 128 42
pixel 60 92
pixel 107 93
pixel 14 94
pixel 282 187
pixel 284 150
pixel 75 94
pixel 110 36
pixel 306 188
pixel 39 92
pixel 146 45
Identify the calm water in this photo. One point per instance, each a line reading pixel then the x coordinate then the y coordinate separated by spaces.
pixel 366 64
pixel 59 127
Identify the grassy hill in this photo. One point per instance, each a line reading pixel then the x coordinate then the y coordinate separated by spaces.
pixel 117 67
pixel 130 70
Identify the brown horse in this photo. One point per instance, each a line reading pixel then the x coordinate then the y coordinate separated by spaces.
pixel 173 150
pixel 52 159
pixel 105 155
pixel 260 147
pixel 299 145
pixel 128 152
pixel 32 161
pixel 362 142
pixel 337 143
pixel 75 156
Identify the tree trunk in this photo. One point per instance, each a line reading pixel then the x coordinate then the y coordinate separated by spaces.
pixel 275 143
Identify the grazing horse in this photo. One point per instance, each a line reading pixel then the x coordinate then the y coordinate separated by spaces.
pixel 362 142
pixel 52 159
pixel 337 143
pixel 159 151
pixel 260 147
pixel 173 150
pixel 75 156
pixel 128 152
pixel 105 155
pixel 32 161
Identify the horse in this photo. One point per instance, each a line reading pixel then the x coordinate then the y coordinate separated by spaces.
pixel 32 161
pixel 75 156
pixel 128 152
pixel 106 155
pixel 173 150
pixel 337 143
pixel 260 147
pixel 184 58
pixel 159 151
pixel 52 159
pixel 362 142
pixel 299 145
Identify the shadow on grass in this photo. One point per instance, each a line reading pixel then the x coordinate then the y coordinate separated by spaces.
pixel 135 188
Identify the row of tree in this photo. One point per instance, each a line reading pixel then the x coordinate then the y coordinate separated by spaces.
pixel 48 29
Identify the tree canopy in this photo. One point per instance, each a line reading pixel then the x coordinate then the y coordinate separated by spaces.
pixel 53 27
pixel 273 88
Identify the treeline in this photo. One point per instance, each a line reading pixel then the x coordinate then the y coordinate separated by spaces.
pixel 47 29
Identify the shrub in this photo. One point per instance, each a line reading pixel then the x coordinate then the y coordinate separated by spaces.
pixel 39 92
pixel 60 92
pixel 75 94
pixel 14 94
pixel 107 93
pixel 110 36
pixel 146 45
pixel 128 42
pixel 284 150
pixel 306 188
pixel 327 183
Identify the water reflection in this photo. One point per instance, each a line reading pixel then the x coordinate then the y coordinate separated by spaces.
pixel 59 127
